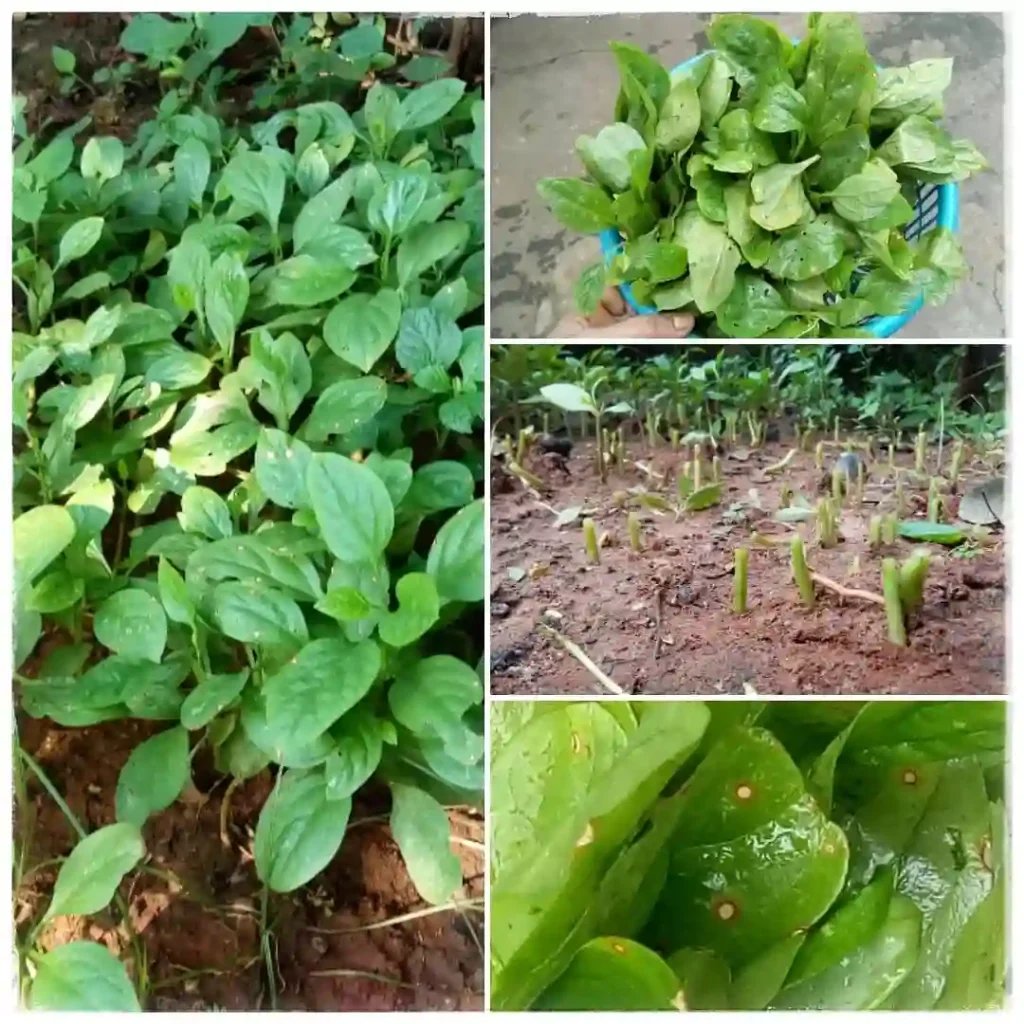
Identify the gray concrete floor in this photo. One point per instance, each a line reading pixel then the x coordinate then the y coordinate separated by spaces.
pixel 554 79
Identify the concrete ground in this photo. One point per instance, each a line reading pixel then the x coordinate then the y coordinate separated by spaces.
pixel 554 79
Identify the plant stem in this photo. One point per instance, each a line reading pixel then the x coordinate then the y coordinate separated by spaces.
pixel 956 464
pixel 601 468
pixel 590 541
pixel 912 575
pixel 716 469
pixel 934 500
pixel 919 451
pixel 889 528
pixel 633 523
pixel 892 457
pixel 819 455
pixel 801 574
pixel 674 439
pixel 268 957
pixel 836 431
pixel 696 467
pixel 739 590
pixel 893 607
pixel 900 502
pixel 875 532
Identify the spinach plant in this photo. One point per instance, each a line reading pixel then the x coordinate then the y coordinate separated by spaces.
pixel 748 856
pixel 248 370
pixel 573 398
pixel 766 188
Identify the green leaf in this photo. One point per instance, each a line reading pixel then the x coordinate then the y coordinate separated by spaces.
pixel 79 976
pixel 713 259
pixel 89 877
pixel 282 463
pixel 63 60
pixel 155 37
pixel 427 244
pixel 382 112
pixel 79 240
pixel 40 535
pixel 570 397
pixel 250 558
pixel 456 558
pixel 205 512
pixel 418 610
pixel 323 681
pixel 441 485
pixel 256 181
pixel 299 831
pixel 679 118
pixel 359 737
pixel 394 205
pixel 423 106
pixel 306 280
pixel 132 623
pixel 352 506
pixel 935 533
pixel 751 310
pixel 225 297
pixel 615 974
pixel 609 158
pixel 426 338
pixel 577 204
pixel 312 171
pixel 211 697
pixel 866 194
pixel 361 327
pixel 192 169
pixel 779 199
pixel 421 830
pixel 755 49
pixel 807 251
pixel 344 406
pixel 254 615
pixel 281 368
pixel 154 776
pixel 102 158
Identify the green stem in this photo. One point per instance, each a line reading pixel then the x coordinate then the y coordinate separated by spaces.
pixel 801 574
pixel 739 591
pixel 268 958
pixel 633 522
pixel 893 607
pixel 590 541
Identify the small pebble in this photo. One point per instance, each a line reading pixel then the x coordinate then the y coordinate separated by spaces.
pixel 499 610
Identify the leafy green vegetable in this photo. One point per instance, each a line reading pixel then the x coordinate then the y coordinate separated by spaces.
pixel 248 371
pixel 769 163
pixel 836 857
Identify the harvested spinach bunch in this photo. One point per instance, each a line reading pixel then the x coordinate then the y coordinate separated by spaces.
pixel 747 856
pixel 766 187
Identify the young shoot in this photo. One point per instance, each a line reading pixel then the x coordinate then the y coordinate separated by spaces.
pixel 590 541
pixel 801 574
pixel 875 533
pixel 919 451
pixel 739 590
pixel 633 525
pixel 819 455
pixel 573 398
pixel 897 630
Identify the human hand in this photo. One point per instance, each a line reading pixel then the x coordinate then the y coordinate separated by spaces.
pixel 612 319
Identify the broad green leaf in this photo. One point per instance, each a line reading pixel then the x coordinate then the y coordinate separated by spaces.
pixel 281 369
pixel 441 485
pixel 250 558
pixel 40 535
pixel 615 974
pixel 360 327
pixel 192 169
pixel 344 406
pixel 359 737
pixel 132 623
pixel 393 207
pixel 713 260
pixel 569 397
pixel 422 831
pixel 258 616
pixel 63 60
pixel 806 251
pixel 89 877
pixel 299 831
pixel 102 158
pixel 79 240
pixel 79 976
pixel 225 297
pixel 312 171
pixel 577 204
pixel 427 244
pixel 423 106
pixel 607 157
pixel 154 37
pixel 418 610
pixel 282 463
pixel 55 592
pixel 306 280
pixel 205 512
pixel 352 506
pixel 427 339
pixel 257 181
pixel 778 193
pixel 705 979
pixel 323 209
pixel 154 776
pixel 323 681
pixel 936 533
pixel 210 697
pixel 456 558
pixel 867 193
pixel 751 310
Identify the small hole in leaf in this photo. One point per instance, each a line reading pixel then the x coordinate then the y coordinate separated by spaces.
pixel 725 910
pixel 744 791
pixel 910 777
pixel 618 947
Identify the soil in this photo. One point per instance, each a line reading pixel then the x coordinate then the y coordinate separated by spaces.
pixel 199 917
pixel 661 621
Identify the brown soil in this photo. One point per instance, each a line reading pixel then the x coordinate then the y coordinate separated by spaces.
pixel 199 918
pixel 684 575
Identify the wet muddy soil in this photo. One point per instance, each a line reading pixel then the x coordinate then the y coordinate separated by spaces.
pixel 195 905
pixel 661 621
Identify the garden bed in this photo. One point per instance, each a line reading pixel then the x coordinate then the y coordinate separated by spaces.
pixel 661 621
